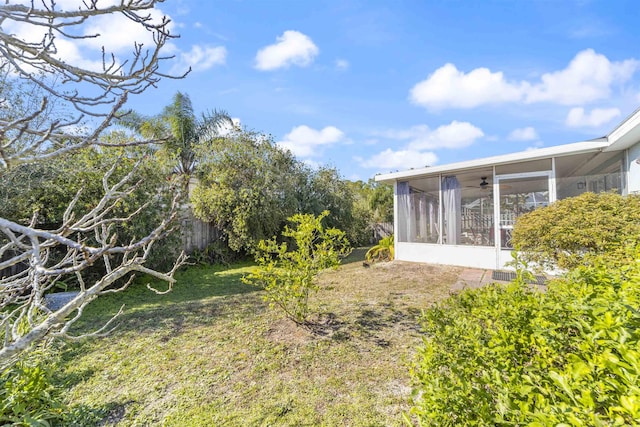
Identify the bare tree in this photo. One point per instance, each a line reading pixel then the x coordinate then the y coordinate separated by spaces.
pixel 88 95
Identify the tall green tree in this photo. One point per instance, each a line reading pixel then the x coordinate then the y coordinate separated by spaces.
pixel 247 186
pixel 325 189
pixel 380 201
pixel 44 190
pixel 180 130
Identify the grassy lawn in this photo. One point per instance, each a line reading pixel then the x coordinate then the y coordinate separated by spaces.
pixel 212 353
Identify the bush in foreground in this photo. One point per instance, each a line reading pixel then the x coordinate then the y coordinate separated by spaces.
pixel 568 232
pixel 515 356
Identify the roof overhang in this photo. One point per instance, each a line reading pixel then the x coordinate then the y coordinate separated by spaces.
pixel 626 134
pixel 560 150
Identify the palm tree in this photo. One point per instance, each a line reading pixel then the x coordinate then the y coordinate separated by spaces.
pixel 180 130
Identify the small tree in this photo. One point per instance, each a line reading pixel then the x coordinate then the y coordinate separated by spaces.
pixel 568 232
pixel 288 276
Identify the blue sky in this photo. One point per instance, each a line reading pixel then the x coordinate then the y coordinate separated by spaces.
pixel 378 86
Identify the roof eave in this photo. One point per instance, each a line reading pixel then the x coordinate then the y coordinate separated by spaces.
pixel 626 134
pixel 560 150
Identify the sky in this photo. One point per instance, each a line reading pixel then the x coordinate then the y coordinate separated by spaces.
pixel 374 87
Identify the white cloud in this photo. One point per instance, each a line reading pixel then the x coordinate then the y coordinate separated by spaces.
pixel 523 134
pixel 418 140
pixel 342 64
pixel 292 48
pixel 227 128
pixel 448 87
pixel 577 117
pixel 304 141
pixel 200 58
pixel 588 77
pixel 421 137
pixel 115 32
pixel 401 159
pixel 118 34
pixel 312 164
pixel 536 146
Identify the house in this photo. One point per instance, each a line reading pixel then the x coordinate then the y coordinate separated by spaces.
pixel 463 213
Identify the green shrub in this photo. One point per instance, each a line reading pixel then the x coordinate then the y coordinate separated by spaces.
pixel 383 251
pixel 288 276
pixel 508 355
pixel 27 394
pixel 31 394
pixel 570 231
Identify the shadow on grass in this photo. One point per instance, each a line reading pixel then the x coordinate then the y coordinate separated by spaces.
pixel 367 323
pixel 108 414
pixel 199 292
pixel 356 255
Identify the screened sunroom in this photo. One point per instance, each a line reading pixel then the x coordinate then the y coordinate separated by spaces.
pixel 464 213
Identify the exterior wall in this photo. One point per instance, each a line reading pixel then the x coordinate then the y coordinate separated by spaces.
pixel 633 169
pixel 464 256
pixel 479 244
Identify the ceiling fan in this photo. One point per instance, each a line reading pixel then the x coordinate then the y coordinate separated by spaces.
pixel 484 184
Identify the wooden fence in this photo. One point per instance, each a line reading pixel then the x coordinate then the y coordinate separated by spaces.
pixel 196 234
pixel 381 230
pixel 14 269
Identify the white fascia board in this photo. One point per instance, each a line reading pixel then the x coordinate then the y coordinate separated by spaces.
pixel 540 153
pixel 626 134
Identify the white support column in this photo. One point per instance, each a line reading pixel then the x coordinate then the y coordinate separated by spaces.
pixel 440 215
pixel 552 182
pixel 395 213
pixel 496 217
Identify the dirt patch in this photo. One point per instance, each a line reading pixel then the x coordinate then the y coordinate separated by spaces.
pixel 286 331
pixel 374 304
pixel 389 280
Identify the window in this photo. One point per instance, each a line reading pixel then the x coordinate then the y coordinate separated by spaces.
pixel 476 209
pixel 418 211
pixel 595 172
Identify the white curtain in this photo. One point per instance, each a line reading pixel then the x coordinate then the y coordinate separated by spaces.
pixel 452 200
pixel 404 211
pixel 422 217
pixel 433 220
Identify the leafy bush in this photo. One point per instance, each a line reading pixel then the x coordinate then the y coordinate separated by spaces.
pixel 28 396
pixel 570 230
pixel 383 251
pixel 509 355
pixel 288 276
pixel 216 252
pixel 31 394
pixel 48 187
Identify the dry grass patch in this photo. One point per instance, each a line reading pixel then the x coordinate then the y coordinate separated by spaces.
pixel 212 353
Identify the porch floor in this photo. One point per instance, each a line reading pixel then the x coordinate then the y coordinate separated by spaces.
pixel 473 278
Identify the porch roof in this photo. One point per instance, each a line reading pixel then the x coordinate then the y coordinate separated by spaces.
pixel 626 133
pixel 594 145
pixel 623 136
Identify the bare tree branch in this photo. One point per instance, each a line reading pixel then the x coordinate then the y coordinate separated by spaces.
pixel 50 107
pixel 39 63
